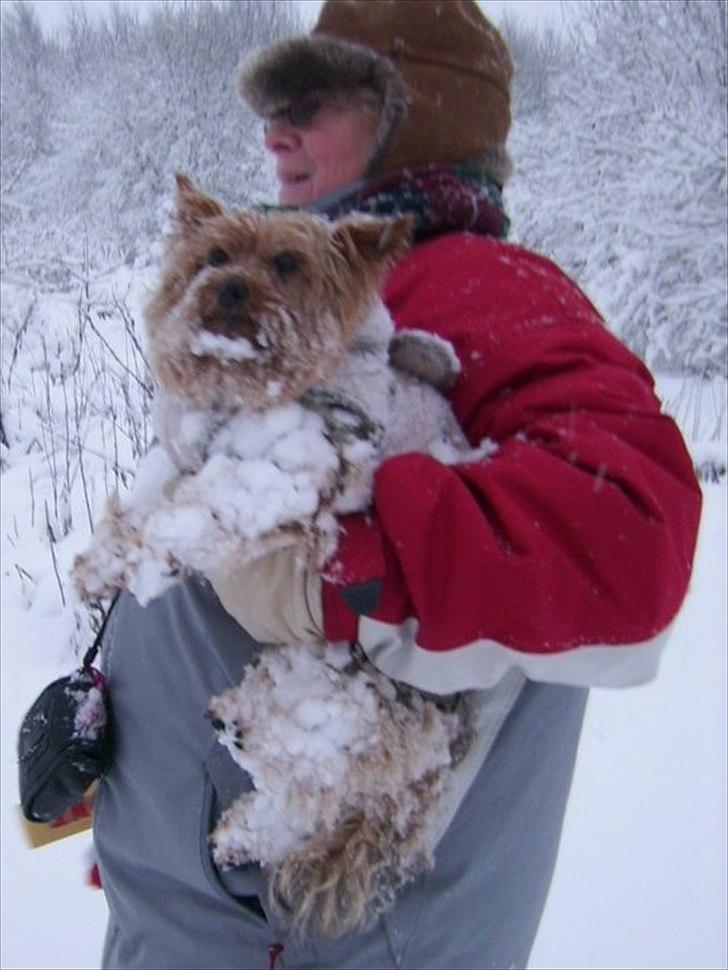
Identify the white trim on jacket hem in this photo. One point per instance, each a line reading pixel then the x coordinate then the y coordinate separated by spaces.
pixel 483 663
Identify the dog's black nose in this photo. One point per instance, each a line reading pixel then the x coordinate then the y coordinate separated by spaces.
pixel 231 294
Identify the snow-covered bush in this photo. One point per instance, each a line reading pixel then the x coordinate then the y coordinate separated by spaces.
pixel 29 62
pixel 621 172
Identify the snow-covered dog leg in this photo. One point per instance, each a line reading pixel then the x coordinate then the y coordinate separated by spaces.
pixel 348 770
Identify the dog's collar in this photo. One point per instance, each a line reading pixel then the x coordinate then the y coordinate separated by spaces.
pixel 368 345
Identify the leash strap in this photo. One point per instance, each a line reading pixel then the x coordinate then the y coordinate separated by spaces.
pixel 93 650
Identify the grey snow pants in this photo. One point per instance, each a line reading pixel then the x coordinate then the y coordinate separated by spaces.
pixel 170 779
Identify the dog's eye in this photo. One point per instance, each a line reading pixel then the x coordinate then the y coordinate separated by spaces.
pixel 217 257
pixel 286 263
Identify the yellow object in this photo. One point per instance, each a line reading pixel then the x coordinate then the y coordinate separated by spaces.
pixel 78 818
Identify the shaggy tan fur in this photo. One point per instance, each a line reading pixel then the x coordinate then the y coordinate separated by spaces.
pixel 306 289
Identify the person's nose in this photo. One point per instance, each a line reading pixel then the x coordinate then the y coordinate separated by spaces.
pixel 281 136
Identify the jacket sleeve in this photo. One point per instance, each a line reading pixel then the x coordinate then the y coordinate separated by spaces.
pixel 568 551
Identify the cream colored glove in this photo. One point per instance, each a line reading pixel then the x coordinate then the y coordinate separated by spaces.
pixel 276 598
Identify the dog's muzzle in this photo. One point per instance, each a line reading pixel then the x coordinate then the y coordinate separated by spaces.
pixel 232 313
pixel 232 294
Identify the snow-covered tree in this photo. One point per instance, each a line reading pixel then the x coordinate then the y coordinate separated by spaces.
pixel 100 127
pixel 27 92
pixel 622 177
pixel 540 58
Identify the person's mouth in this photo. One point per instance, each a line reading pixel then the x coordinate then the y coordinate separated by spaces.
pixel 293 178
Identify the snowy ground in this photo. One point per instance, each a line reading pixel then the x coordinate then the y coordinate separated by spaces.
pixel 641 877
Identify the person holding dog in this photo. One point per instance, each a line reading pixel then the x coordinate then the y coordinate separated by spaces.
pixel 552 565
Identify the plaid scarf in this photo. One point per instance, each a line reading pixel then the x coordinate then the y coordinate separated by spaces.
pixel 442 198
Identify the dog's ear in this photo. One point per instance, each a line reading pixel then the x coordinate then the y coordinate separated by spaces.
pixel 192 207
pixel 375 243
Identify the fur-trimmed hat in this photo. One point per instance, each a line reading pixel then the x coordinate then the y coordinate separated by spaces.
pixel 442 73
pixel 277 75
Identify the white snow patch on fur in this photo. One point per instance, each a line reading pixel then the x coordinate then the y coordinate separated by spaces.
pixel 311 734
pixel 206 344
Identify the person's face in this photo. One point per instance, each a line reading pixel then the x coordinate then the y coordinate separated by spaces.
pixel 320 144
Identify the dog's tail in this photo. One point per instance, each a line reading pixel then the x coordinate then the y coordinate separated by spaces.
pixel 339 883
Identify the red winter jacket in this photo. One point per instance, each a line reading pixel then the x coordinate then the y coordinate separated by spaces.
pixel 567 553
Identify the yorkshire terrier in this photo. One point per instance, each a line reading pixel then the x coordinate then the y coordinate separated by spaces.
pixel 281 386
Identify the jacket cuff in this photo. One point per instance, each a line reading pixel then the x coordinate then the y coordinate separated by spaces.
pixel 352 578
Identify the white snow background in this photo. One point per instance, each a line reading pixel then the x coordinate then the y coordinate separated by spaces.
pixel 632 204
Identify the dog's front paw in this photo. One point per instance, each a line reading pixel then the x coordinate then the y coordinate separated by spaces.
pixel 94 581
pixel 103 568
pixel 426 356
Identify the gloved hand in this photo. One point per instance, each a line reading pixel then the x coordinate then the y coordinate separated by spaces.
pixel 276 598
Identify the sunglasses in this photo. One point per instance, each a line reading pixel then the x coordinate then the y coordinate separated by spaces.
pixel 302 110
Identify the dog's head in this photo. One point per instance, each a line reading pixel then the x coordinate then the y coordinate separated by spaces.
pixel 254 309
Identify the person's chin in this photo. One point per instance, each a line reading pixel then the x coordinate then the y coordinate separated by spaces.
pixel 300 192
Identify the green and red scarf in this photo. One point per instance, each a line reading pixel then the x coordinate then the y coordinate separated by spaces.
pixel 442 198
